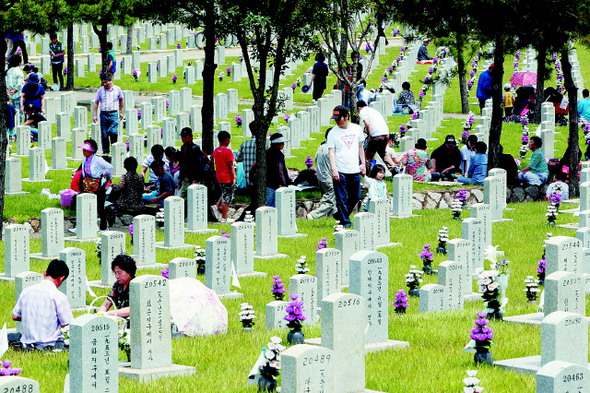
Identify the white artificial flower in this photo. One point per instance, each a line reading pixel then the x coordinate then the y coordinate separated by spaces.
pixel 491 253
pixel 478 389
pixel 493 286
pixel 276 365
pixel 471 381
pixel 412 266
pixel 275 340
pixel 270 355
pixel 468 390
pixel 471 373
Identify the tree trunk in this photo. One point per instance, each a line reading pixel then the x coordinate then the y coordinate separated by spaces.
pixel 3 135
pixel 71 61
pixel 102 39
pixel 129 40
pixel 209 67
pixel 343 44
pixel 496 125
pixel 461 70
pixel 572 94
pixel 541 72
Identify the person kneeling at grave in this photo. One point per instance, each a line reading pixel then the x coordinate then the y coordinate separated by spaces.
pixel 43 310
pixel 478 166
pixel 164 184
pixel 33 120
pixel 537 171
pixel 124 268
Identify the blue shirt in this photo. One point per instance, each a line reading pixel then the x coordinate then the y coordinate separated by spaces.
pixel 584 108
pixel 423 53
pixel 484 85
pixel 11 113
pixel 478 168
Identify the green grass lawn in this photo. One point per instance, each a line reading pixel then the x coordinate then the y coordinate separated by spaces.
pixel 434 362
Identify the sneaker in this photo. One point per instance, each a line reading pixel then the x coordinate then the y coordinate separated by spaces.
pixel 226 220
pixel 215 212
pixel 309 217
pixel 72 230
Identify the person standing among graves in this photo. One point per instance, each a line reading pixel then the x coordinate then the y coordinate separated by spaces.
pixel 423 51
pixel 478 168
pixel 110 100
pixel 277 174
pixel 11 113
pixel 95 174
pixel 345 149
pixel 15 80
pixel 484 87
pixel 467 152
pixel 56 51
pixel 247 156
pixel 377 135
pixel 446 159
pixel 43 309
pixel 584 106
pixel 18 41
pixel 124 268
pixel 320 73
pixel 112 68
pixel 33 93
pixel 193 164
pixel 226 176
pixel 327 205
pixel 536 172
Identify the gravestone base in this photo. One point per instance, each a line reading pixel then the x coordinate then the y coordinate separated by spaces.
pixel 252 274
pixel 272 256
pixel 153 266
pixel 230 295
pixel 84 309
pixel 372 391
pixel 151 374
pixel 502 220
pixel 529 319
pixel 4 278
pixel 385 245
pixel 28 180
pixel 570 211
pixel 76 240
pixel 59 169
pixel 161 246
pixel 39 256
pixel 201 231
pixel 16 193
pixel 295 236
pixel 472 297
pixel 402 217
pixel 526 365
pixel 369 347
pixel 572 201
pixel 573 225
pixel 98 284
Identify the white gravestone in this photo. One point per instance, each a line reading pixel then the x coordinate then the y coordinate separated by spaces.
pixel 402 195
pixel 328 270
pixel 451 274
pixel 275 314
pixel 307 368
pixel 266 231
pixel 113 244
pixel 18 384
pixel 286 202
pixel 197 209
pixel 86 210
pixel 459 250
pixel 484 212
pixel 347 241
pixel 492 195
pixel 559 377
pixel 434 298
pixel 380 208
pixel 564 291
pixel 16 251
pixel 58 153
pixel 306 287
pixel 144 240
pixel 365 224
pixel 218 265
pixel 182 267
pixel 75 285
pixel 242 247
pixel 472 229
pixel 563 253
pixel 564 336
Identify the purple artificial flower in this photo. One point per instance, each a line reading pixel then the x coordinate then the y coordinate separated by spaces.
pixel 131 229
pixel 384 80
pixel 469 84
pixel 66 70
pixel 421 95
pixel 286 117
pixel 294 85
pixel 174 77
pixel 390 68
pixel 6 363
pixel 435 60
pixel 177 46
pixel 165 273
pixel 368 47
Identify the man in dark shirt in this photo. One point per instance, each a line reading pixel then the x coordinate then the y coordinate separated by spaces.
pixel 191 163
pixel 447 157
pixel 276 169
pixel 165 185
pixel 33 120
pixel 423 52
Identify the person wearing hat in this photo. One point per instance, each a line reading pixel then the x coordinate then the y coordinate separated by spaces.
pixel 33 93
pixel 484 87
pixel 110 100
pixel 417 161
pixel 276 170
pixel 377 135
pixel 94 176
pixel 423 51
pixel 347 159
pixel 508 99
pixel 33 120
pixel 446 159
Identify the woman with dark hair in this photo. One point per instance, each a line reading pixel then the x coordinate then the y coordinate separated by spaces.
pixel 15 80
pixel 124 268
pixel 320 73
pixel 33 93
pixel 417 162
pixel 95 174
pixel 129 190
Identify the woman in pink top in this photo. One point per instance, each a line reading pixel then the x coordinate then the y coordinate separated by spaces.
pixel 417 162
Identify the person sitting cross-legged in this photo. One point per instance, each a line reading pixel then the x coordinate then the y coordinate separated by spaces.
pixel 537 171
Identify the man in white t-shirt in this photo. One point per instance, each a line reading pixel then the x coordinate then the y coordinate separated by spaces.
pixel 467 152
pixel 378 135
pixel 43 309
pixel 345 149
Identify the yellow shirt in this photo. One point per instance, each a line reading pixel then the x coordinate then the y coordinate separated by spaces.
pixel 508 100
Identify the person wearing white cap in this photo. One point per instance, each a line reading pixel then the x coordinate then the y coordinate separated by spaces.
pixel 95 174
pixel 276 170
pixel 423 51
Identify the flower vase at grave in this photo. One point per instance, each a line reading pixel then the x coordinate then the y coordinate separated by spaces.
pixel 201 269
pixel 295 337
pixel 414 292
pixel 248 329
pixel 483 356
pixel 502 279
pixel 267 384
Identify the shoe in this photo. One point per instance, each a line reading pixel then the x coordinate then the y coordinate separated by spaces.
pixel 226 220
pixel 309 217
pixel 72 230
pixel 215 212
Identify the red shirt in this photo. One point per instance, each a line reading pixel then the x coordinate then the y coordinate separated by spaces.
pixel 224 159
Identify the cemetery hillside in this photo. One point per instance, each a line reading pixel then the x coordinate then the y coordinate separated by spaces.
pixel 179 190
